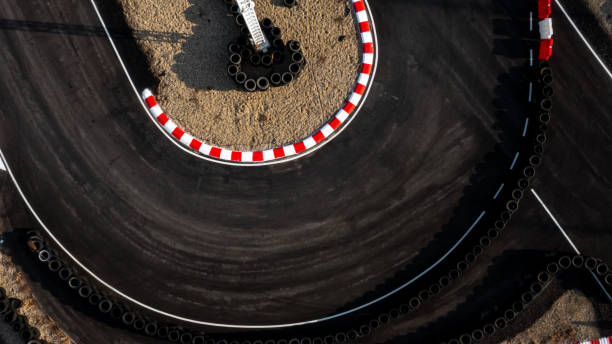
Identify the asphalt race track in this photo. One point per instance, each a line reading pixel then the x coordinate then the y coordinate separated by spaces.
pixel 312 237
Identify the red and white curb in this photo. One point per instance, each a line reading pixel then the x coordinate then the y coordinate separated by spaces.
pixel 607 340
pixel 545 28
pixel 335 125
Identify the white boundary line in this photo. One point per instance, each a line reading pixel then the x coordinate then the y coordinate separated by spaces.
pixel 568 240
pixel 603 65
pixel 213 324
pixel 264 163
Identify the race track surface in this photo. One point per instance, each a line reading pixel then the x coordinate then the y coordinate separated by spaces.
pixel 305 239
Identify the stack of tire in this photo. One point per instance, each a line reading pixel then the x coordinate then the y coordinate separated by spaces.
pixel 279 65
pixel 19 323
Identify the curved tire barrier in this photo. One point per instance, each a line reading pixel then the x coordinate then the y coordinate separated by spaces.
pixel 19 323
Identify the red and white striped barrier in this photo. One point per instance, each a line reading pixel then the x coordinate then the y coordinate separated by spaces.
pixel 340 119
pixel 545 28
pixel 607 340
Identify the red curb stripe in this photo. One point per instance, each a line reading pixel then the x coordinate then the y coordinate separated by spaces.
pixel 178 133
pixel 366 68
pixel 195 144
pixel 359 6
pixel 318 136
pixel 364 26
pixel 368 48
pixel 257 156
pixel 349 107
pixel 163 119
pixel 151 101
pixel 359 89
pixel 335 123
pixel 216 152
pixel 299 147
pixel 279 152
pixel 236 156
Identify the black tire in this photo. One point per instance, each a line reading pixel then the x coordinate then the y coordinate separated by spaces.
pixel 453 274
pixel 44 256
pixel 590 263
pixel 240 78
pixel 232 70
pixel 492 233
pixel 250 85
pixel 602 269
pixel 544 117
pixel 94 298
pixel 235 59
pixel 234 48
pixel 364 330
pixel 529 172
pixel 294 46
pixel 465 339
pixel 150 329
pixel 255 59
pixel 414 303
pixel 275 33
pixel 477 251
pixel 500 323
pixel 578 261
pixel 276 79
pixel 384 318
pixel 54 264
pixel 85 291
pixel 462 266
pixel 186 338
pixel 128 318
pixel 512 206
pixel 297 57
pixel 75 282
pixel 174 335
pixel 608 280
pixel 526 298
pixel 477 335
pixel 278 44
pixel 287 78
pixel 509 315
pixel 289 3
pixel 543 277
pixel 423 295
pixel 105 306
pixel 523 183
pixel 552 268
pixel 564 262
pixel 546 104
pixel 500 225
pixel 484 241
pixel 267 60
pixel 139 324
pixel 240 20
pixel 535 160
pixel 295 69
pixel 547 79
pixel 470 258
pixel 340 337
pixel 488 329
pixel 547 91
pixel 266 23
pixel 535 288
pixel 263 83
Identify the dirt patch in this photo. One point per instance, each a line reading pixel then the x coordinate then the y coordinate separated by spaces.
pixel 572 317
pixel 603 11
pixel 196 92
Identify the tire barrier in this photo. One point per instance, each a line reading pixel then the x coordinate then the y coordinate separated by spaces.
pixel 18 323
pixel 269 61
pixel 280 72
pixel 543 279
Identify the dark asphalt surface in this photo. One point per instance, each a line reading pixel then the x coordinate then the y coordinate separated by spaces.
pixel 303 239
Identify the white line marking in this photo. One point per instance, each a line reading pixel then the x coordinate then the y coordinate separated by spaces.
pixel 555 221
pixel 498 191
pixel 530 91
pixel 169 315
pixel 603 65
pixel 531 57
pixel 514 161
pixel 568 239
pixel 525 127
pixel 2 167
pixel 530 21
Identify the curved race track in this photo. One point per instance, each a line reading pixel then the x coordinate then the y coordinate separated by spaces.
pixel 270 244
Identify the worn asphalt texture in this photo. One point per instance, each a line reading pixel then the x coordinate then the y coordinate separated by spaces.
pixel 305 239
